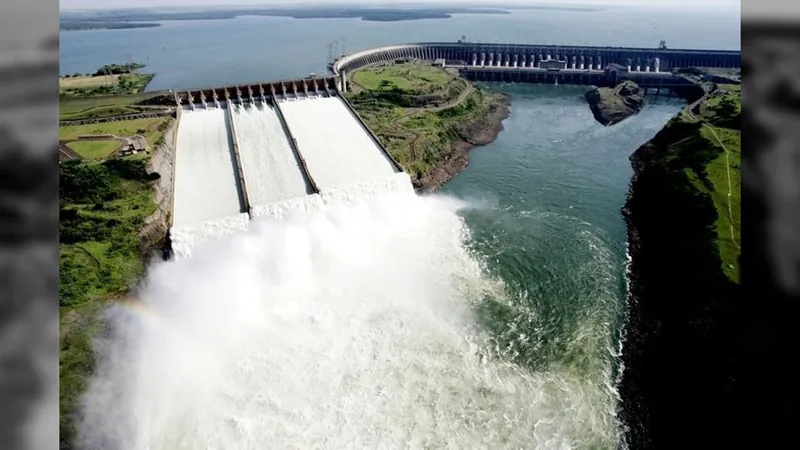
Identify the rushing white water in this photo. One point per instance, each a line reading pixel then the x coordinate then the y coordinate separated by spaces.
pixel 184 239
pixel 271 171
pixel 349 326
pixel 335 147
pixel 205 175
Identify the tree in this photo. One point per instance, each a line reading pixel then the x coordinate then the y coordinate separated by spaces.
pixel 726 108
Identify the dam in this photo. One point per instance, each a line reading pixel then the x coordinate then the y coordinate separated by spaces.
pixel 541 56
pixel 267 150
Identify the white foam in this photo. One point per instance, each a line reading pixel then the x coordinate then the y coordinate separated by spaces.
pixel 286 208
pixel 205 176
pixel 271 171
pixel 348 326
pixel 185 239
pixel 336 148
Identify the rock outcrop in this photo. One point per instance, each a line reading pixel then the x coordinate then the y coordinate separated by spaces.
pixel 612 105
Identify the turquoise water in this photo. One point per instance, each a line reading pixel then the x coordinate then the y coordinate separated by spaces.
pixel 549 192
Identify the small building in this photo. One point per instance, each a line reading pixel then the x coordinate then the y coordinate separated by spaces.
pixel 132 147
pixel 612 72
pixel 439 62
pixel 553 64
pixel 614 67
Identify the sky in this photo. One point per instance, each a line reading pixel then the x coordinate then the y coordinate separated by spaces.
pixel 729 5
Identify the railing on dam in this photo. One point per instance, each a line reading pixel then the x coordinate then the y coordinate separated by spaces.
pixel 534 55
pixel 239 93
pixel 272 90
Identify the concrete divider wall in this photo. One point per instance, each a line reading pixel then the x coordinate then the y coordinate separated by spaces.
pixel 374 138
pixel 238 158
pixel 174 165
pixel 295 147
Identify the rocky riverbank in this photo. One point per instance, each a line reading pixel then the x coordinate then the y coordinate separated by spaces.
pixel 471 134
pixel 680 350
pixel 155 228
pixel 613 105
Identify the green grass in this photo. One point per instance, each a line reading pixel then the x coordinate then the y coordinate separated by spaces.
pixel 432 129
pixel 100 111
pixel 86 81
pixel 102 205
pixel 152 128
pixel 710 174
pixel 407 77
pixel 129 83
pixel 79 108
pixel 94 149
pixel 728 225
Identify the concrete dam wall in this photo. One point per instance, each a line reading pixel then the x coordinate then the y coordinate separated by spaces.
pixel 543 56
pixel 266 150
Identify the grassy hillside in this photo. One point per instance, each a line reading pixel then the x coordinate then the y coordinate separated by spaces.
pixel 417 111
pixel 102 205
pixel 684 226
pixel 720 176
pixel 100 106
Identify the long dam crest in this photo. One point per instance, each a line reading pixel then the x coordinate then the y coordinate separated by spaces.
pixel 267 150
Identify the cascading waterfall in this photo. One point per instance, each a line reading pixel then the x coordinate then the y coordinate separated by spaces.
pixel 349 325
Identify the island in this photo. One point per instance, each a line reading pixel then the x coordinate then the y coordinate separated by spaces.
pixel 143 18
pixel 103 25
pixel 611 105
pixel 683 215
pixel 427 117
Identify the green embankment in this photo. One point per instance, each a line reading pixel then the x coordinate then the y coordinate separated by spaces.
pixel 684 225
pixel 100 106
pixel 719 177
pixel 91 86
pixel 407 77
pixel 151 128
pixel 417 111
pixel 102 205
pixel 98 149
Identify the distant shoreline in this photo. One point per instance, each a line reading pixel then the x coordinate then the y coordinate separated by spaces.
pixel 120 19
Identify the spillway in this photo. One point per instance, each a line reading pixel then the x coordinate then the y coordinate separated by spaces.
pixel 271 170
pixel 336 148
pixel 206 186
pixel 350 327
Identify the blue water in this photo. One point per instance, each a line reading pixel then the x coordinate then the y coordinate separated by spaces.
pixel 205 53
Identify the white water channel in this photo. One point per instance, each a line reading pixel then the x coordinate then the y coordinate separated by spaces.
pixel 205 175
pixel 337 149
pixel 271 171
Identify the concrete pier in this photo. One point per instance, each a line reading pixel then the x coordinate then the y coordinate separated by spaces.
pixel 238 159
